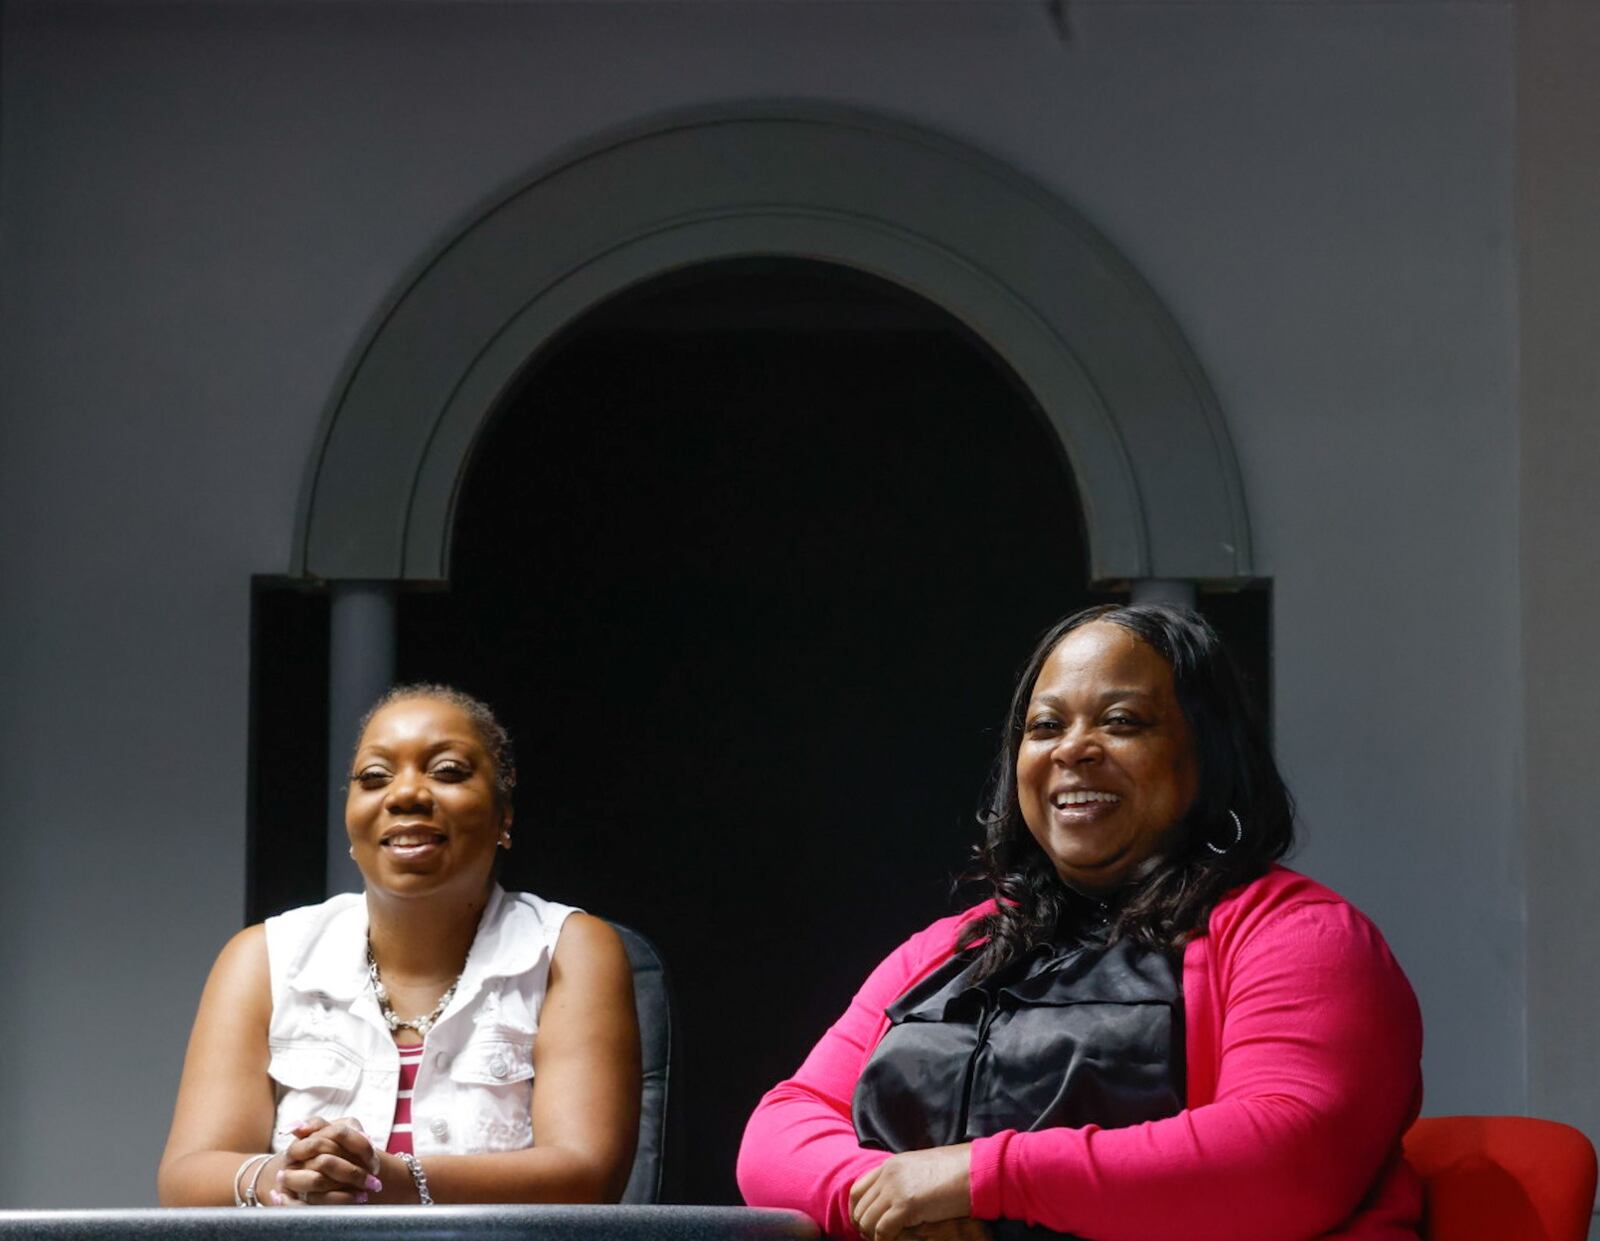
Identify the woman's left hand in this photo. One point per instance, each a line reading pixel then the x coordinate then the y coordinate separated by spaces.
pixel 916 1187
pixel 330 1163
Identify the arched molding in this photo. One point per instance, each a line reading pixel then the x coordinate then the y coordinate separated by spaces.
pixel 1117 384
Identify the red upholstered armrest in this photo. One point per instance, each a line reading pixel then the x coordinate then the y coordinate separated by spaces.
pixel 1499 1177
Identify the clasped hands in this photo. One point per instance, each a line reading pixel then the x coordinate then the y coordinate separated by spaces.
pixel 914 1196
pixel 330 1163
pixel 921 1195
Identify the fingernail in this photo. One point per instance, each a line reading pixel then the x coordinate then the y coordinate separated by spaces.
pixel 279 1176
pixel 374 1184
pixel 361 1197
pixel 277 1198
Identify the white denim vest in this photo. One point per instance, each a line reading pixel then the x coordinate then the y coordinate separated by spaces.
pixel 333 1055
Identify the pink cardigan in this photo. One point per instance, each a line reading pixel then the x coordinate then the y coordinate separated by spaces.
pixel 1303 1043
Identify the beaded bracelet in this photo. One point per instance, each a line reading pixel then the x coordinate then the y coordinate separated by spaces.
pixel 418 1178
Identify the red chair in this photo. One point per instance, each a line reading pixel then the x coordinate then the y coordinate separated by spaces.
pixel 1503 1178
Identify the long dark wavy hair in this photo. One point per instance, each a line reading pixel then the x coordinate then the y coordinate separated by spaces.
pixel 1169 904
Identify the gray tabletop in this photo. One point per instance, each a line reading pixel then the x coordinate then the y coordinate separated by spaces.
pixel 484 1223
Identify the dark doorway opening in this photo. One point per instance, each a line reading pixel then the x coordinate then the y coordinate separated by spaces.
pixel 748 561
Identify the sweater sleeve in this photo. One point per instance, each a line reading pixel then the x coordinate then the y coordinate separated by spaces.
pixel 800 1148
pixel 1318 1076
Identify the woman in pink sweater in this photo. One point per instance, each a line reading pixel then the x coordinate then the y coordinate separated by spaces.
pixel 1152 1032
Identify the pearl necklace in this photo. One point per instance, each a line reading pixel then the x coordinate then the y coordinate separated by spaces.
pixel 396 1022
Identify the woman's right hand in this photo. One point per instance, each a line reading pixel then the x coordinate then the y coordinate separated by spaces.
pixel 911 1189
pixel 330 1163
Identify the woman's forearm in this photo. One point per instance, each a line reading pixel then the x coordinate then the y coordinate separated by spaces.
pixel 800 1148
pixel 539 1174
pixel 207 1178
pixel 800 1151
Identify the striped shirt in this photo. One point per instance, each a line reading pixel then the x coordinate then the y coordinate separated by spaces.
pixel 400 1133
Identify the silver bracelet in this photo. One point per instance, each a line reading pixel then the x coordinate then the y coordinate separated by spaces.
pixel 418 1177
pixel 246 1197
pixel 250 1193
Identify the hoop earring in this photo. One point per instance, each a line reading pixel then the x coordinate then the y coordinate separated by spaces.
pixel 505 840
pixel 1238 835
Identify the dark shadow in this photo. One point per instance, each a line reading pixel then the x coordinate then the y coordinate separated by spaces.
pixel 286 830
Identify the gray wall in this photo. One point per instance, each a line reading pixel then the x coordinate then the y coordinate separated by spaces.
pixel 1558 204
pixel 204 205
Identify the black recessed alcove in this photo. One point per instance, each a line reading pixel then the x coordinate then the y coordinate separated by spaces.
pixel 747 560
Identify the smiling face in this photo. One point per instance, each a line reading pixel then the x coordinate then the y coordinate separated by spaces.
pixel 422 811
pixel 1106 767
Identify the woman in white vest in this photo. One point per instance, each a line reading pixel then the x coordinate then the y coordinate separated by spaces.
pixel 433 1039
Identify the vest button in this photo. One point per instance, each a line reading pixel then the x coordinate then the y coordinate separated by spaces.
pixel 439 1128
pixel 441 1061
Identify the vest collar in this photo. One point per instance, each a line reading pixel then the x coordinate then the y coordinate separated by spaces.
pixel 334 961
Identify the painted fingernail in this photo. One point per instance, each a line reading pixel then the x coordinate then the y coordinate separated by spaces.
pixel 374 1184
pixel 361 1197
pixel 279 1177
pixel 277 1198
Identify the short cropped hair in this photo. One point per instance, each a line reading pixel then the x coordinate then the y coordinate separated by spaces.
pixel 492 734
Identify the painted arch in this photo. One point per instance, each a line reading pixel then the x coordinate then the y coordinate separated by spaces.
pixel 1117 385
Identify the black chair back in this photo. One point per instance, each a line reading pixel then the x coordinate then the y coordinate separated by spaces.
pixel 654 1003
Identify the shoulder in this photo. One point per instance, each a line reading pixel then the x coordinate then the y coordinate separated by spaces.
pixel 585 937
pixel 291 940
pixel 526 909
pixel 246 952
pixel 1278 896
pixel 522 933
pixel 1296 920
pixel 940 937
pixel 590 962
pixel 294 926
pixel 240 978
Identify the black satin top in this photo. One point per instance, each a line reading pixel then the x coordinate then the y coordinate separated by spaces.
pixel 1070 1035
